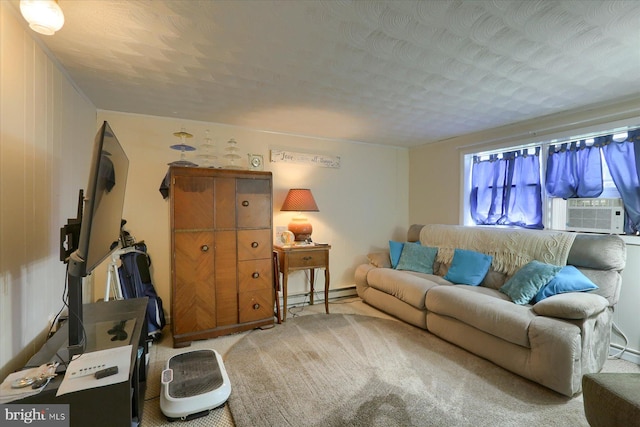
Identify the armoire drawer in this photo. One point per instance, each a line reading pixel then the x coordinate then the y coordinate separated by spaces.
pixel 255 305
pixel 254 244
pixel 255 275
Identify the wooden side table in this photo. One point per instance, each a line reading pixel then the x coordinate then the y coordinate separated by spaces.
pixel 292 258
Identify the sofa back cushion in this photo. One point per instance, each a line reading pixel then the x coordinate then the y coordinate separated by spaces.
pixel 598 251
pixel 600 257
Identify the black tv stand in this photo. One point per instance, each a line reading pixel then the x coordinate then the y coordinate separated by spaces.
pixel 114 405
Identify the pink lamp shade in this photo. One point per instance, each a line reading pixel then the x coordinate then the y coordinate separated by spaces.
pixel 300 200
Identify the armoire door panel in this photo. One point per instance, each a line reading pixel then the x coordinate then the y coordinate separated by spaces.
pixel 194 293
pixel 254 203
pixel 226 278
pixel 192 202
pixel 225 203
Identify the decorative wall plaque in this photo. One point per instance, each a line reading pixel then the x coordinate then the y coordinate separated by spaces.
pixel 305 158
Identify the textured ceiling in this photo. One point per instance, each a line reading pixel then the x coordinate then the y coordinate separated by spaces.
pixel 391 72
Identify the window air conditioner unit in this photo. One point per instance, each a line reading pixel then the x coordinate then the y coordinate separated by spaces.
pixel 595 215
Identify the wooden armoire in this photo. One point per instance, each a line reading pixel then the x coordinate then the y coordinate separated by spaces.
pixel 221 242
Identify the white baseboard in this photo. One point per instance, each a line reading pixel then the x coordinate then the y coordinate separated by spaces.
pixel 629 355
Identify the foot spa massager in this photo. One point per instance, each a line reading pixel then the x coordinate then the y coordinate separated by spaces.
pixel 193 383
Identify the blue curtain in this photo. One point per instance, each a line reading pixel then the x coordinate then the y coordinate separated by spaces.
pixel 574 170
pixel 623 160
pixel 507 191
pixel 487 182
pixel 589 170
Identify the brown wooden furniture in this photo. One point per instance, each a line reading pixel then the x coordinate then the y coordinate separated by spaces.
pixel 221 238
pixel 291 258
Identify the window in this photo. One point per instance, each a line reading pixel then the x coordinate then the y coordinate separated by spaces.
pixel 569 168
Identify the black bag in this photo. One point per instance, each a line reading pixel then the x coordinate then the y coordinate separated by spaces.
pixel 135 281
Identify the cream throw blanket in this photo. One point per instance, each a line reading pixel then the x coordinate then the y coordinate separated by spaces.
pixel 511 249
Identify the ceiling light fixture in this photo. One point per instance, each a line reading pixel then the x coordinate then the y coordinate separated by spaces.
pixel 44 16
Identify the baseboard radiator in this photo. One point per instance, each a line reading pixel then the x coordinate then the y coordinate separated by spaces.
pixel 297 300
pixel 618 351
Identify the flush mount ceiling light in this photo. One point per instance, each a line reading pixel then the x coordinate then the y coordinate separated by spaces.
pixel 43 16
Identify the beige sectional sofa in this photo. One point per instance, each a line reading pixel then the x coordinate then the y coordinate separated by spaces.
pixel 553 342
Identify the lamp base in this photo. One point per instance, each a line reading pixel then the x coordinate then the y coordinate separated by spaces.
pixel 300 228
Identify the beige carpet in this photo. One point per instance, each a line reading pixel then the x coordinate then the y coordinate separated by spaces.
pixel 351 370
pixel 162 351
pixel 357 370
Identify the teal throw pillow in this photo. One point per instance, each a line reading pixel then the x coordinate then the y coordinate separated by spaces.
pixel 468 267
pixel 395 250
pixel 528 280
pixel 416 257
pixel 568 279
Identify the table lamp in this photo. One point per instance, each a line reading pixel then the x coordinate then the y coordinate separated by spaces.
pixel 300 200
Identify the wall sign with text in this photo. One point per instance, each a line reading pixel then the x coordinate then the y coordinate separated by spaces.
pixel 305 158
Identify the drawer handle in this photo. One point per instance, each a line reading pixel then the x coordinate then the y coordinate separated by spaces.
pixel 254 245
pixel 307 258
pixel 245 203
pixel 256 306
pixel 255 275
pixel 204 248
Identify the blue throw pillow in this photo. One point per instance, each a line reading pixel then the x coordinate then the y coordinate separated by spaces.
pixel 395 250
pixel 528 280
pixel 569 279
pixel 416 257
pixel 468 267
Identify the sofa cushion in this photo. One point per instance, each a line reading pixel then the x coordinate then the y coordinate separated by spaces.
pixel 379 259
pixel 494 279
pixel 395 250
pixel 487 291
pixel 484 309
pixel 528 280
pixel 407 286
pixel 568 279
pixel 468 267
pixel 608 282
pixel 598 251
pixel 418 258
pixel 574 305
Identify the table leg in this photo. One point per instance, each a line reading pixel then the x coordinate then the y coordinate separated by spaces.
pixel 312 279
pixel 326 290
pixel 276 286
pixel 285 277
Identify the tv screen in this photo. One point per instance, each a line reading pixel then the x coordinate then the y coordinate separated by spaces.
pixel 99 226
pixel 103 204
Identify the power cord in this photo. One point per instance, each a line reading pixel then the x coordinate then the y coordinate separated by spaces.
pixel 295 313
pixel 617 330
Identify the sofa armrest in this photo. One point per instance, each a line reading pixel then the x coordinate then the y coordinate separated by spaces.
pixel 379 259
pixel 571 305
pixel 361 278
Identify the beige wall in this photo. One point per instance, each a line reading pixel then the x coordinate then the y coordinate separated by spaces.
pixel 362 204
pixel 436 171
pixel 46 130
